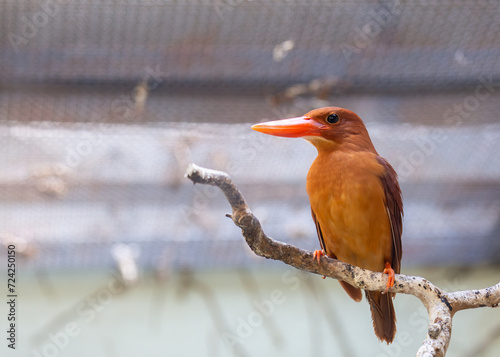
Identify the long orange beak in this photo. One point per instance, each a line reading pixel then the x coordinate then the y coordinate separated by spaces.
pixel 291 128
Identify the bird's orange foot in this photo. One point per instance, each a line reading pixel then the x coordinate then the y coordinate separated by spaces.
pixel 318 254
pixel 390 280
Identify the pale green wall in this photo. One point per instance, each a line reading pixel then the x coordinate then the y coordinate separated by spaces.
pixel 191 315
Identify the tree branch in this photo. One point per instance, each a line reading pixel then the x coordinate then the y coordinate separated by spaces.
pixel 440 305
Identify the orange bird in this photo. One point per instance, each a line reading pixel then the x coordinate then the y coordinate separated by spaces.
pixel 355 201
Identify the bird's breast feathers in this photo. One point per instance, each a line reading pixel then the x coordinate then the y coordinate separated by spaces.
pixel 348 199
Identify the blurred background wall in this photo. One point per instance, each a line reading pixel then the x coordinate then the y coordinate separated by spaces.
pixel 103 104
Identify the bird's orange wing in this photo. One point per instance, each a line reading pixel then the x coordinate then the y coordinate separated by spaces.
pixel 320 234
pixel 394 206
pixel 382 309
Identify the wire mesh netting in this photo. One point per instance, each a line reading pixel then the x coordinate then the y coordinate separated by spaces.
pixel 103 104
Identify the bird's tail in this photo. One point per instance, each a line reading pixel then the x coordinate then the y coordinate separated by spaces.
pixel 383 315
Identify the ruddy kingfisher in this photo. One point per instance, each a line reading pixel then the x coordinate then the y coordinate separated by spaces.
pixel 356 201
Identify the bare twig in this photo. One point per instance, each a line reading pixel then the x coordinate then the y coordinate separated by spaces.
pixel 440 305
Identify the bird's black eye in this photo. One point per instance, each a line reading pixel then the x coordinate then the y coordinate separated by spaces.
pixel 332 118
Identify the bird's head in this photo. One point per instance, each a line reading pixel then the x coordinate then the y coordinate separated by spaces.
pixel 329 128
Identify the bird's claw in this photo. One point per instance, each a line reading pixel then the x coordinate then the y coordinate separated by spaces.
pixel 318 254
pixel 390 280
